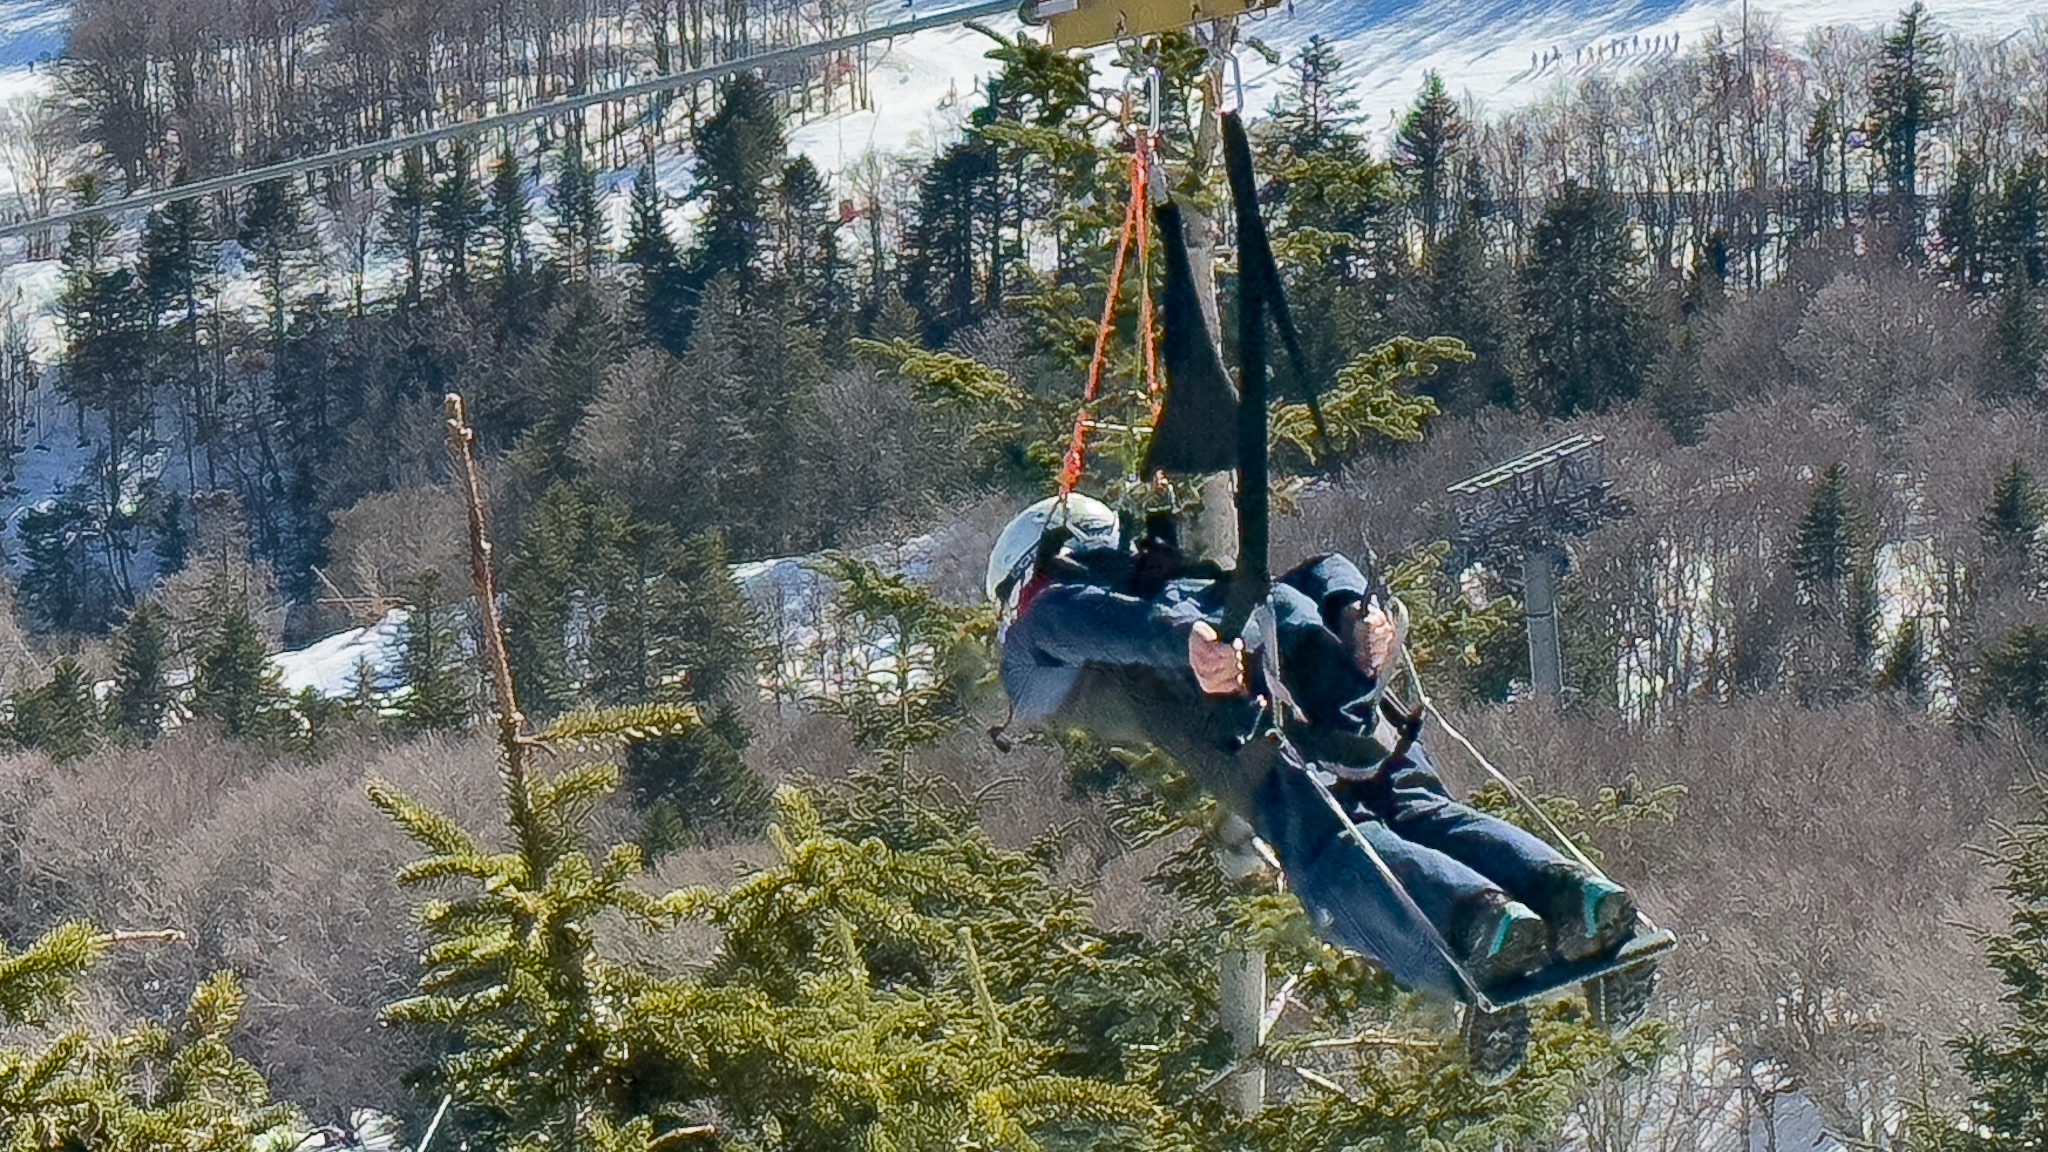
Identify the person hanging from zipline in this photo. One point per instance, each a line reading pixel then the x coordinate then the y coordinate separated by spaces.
pixel 1121 639
pixel 1119 635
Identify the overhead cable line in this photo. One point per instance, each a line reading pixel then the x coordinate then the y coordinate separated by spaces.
pixel 559 106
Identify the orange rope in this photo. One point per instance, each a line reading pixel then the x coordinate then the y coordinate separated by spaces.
pixel 1148 336
pixel 1134 215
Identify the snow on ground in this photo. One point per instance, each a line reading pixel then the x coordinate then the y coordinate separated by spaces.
pixel 30 30
pixel 329 666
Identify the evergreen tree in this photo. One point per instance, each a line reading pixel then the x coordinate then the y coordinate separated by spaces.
pixel 662 292
pixel 692 640
pixel 62 584
pixel 2013 680
pixel 1833 560
pixel 1426 148
pixel 1315 111
pixel 762 368
pixel 173 537
pixel 106 322
pixel 803 249
pixel 2019 342
pixel 507 213
pixel 173 239
pixel 458 215
pixel 274 239
pixel 953 237
pixel 578 223
pixel 542 579
pixel 2017 246
pixel 739 156
pixel 233 680
pixel 1459 296
pixel 439 690
pixel 405 220
pixel 2012 523
pixel 1830 539
pixel 141 694
pixel 585 342
pixel 1910 93
pixel 1905 664
pixel 1960 225
pixel 59 717
pixel 1587 341
pixel 175 261
pixel 2005 1065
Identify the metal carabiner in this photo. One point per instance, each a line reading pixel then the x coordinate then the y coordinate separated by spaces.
pixel 1155 87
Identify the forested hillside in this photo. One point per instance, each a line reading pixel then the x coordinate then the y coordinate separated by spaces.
pixel 751 875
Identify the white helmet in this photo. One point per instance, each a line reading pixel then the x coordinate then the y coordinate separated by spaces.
pixel 1090 520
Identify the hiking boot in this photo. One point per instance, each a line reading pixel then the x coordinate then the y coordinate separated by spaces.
pixel 1619 999
pixel 1499 939
pixel 1590 915
pixel 1496 1043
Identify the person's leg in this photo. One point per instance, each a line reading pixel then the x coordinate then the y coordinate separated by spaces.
pixel 1588 914
pixel 1350 903
pixel 1413 801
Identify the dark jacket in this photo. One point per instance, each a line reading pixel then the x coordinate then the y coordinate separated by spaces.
pixel 1099 645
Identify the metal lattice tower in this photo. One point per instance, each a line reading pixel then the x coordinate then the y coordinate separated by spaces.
pixel 1517 515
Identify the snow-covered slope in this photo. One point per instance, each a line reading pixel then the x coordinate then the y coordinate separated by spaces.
pixel 29 30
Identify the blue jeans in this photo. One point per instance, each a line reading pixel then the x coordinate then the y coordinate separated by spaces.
pixel 1445 854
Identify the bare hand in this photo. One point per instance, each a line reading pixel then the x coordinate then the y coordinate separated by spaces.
pixel 1218 666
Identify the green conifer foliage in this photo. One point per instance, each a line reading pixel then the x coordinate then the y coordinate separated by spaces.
pixel 507 212
pixel 1426 151
pixel 62 586
pixel 171 1088
pixel 662 292
pixel 2018 246
pixel 141 695
pixel 274 241
pixel 405 220
pixel 542 578
pixel 233 680
pixel 2019 342
pixel 1911 93
pixel 2005 1065
pixel 1458 295
pixel 578 223
pixel 1830 538
pixel 59 717
pixel 740 155
pixel 584 343
pixel 1834 561
pixel 458 215
pixel 2012 523
pixel 1587 341
pixel 440 691
pixel 1960 225
pixel 2014 680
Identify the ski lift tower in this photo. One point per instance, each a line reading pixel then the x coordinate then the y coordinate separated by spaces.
pixel 1517 515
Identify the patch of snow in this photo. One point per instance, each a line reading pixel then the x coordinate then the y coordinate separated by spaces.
pixel 31 30
pixel 329 666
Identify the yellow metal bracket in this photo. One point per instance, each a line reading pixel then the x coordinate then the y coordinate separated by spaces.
pixel 1093 23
